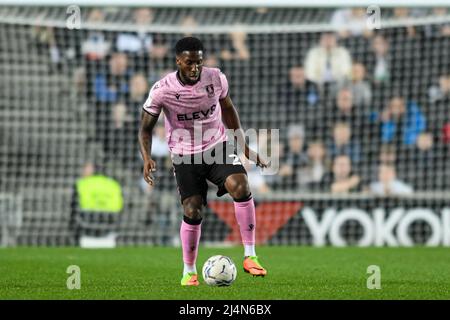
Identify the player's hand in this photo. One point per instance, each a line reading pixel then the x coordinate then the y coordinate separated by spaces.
pixel 149 167
pixel 255 157
pixel 260 162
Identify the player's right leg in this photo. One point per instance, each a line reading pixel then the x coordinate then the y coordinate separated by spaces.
pixel 192 188
pixel 190 232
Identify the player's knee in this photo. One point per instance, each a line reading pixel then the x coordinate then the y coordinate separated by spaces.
pixel 193 212
pixel 240 191
pixel 193 207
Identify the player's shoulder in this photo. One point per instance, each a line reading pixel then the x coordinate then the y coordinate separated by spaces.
pixel 215 75
pixel 157 87
pixel 164 83
pixel 212 71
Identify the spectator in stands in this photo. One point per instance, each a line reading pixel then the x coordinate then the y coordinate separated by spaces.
pixel 111 88
pixel 160 49
pixel 298 95
pixel 356 115
pixel 138 92
pixel 238 49
pixel 311 176
pixel 96 46
pixel 388 184
pixel 211 61
pixel 345 109
pixel 446 133
pixel 160 149
pixel 139 42
pixel 79 81
pixel 350 22
pixel 95 50
pixel 440 92
pixel 439 100
pixel 401 123
pixel 343 143
pixel 404 14
pixel 422 162
pixel 295 157
pixel 141 45
pixel 215 44
pixel 360 88
pixel 121 143
pixel 328 63
pixel 97 200
pixel 425 152
pixel 387 155
pixel 113 85
pixel 120 116
pixel 74 226
pixel 443 154
pixel 438 29
pixel 342 179
pixel 45 40
pixel 138 88
pixel 187 22
pixel 381 60
pixel 256 180
pixel 275 181
pixel 125 123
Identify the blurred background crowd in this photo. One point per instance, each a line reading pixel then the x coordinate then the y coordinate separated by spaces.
pixel 359 110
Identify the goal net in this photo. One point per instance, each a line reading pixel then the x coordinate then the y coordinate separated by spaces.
pixel 363 117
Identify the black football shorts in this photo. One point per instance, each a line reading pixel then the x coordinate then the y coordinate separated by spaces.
pixel 214 165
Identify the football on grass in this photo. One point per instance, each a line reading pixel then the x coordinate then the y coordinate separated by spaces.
pixel 219 271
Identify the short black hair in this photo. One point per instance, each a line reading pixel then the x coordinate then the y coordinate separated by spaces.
pixel 188 44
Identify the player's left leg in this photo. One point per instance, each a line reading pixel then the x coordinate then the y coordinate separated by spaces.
pixel 238 188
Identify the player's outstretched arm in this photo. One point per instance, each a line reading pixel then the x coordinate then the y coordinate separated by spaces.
pixel 148 122
pixel 231 120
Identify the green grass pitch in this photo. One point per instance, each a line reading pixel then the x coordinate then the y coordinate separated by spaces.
pixel 293 273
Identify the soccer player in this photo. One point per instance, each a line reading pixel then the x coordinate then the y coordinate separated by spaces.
pixel 196 97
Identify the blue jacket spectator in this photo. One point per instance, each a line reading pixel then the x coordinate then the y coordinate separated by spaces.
pixel 104 93
pixel 402 123
pixel 113 85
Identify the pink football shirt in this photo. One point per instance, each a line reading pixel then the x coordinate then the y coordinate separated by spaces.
pixel 192 113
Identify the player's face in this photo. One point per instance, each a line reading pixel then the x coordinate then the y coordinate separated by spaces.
pixel 190 65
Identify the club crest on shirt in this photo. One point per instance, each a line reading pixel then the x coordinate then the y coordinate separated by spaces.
pixel 177 95
pixel 210 90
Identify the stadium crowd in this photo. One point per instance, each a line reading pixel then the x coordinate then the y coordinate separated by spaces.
pixel 359 110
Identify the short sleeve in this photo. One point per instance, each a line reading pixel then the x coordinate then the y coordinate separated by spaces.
pixel 224 85
pixel 153 104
